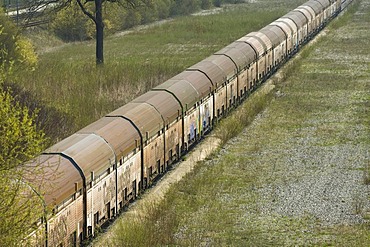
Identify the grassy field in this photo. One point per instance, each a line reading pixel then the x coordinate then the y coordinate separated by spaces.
pixel 68 83
pixel 298 175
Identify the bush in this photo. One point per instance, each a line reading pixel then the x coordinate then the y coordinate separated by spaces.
pixel 184 7
pixel 70 24
pixel 20 141
pixel 132 18
pixel 163 9
pixel 217 3
pixel 15 50
pixel 206 4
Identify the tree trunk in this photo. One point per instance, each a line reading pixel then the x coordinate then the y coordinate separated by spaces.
pixel 99 31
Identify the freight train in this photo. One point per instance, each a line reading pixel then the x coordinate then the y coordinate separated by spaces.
pixel 88 178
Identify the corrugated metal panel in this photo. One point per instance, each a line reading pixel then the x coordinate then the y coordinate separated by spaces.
pixel 299 19
pixel 256 43
pixel 266 42
pixel 144 116
pixel 313 6
pixel 271 36
pixel 236 55
pixel 290 23
pixel 316 6
pixel 241 47
pixel 324 3
pixel 275 34
pixel 55 178
pixel 183 90
pixel 113 129
pixel 89 151
pixel 213 71
pixel 225 63
pixel 164 102
pixel 304 12
pixel 284 26
pixel 307 11
pixel 198 80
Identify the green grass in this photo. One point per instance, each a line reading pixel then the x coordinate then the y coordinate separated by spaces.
pixel 68 81
pixel 324 100
pixel 243 116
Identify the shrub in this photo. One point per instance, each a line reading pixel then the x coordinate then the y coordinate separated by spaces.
pixel 14 49
pixel 206 4
pixel 70 24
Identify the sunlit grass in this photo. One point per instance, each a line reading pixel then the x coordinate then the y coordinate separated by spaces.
pixel 218 203
pixel 68 80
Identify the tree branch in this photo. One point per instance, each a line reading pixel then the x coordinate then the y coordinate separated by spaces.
pixel 84 10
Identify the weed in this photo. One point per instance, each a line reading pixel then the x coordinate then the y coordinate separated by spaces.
pixel 358 204
pixel 366 173
pixel 243 116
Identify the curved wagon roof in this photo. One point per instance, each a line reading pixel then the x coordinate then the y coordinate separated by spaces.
pixel 188 88
pixel 89 151
pixel 275 34
pixel 316 6
pixel 263 38
pixel 225 63
pixel 238 57
pixel 163 102
pixel 256 43
pixel 298 18
pixel 197 80
pixel 244 50
pixel 54 177
pixel 307 11
pixel 145 118
pixel 292 25
pixel 283 26
pixel 212 70
pixel 113 129
pixel 324 3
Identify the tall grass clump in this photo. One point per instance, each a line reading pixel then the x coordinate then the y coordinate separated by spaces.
pixel 293 66
pixel 150 227
pixel 367 173
pixel 243 116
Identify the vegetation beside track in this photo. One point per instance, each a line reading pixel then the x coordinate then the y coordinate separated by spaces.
pixel 297 176
pixel 66 80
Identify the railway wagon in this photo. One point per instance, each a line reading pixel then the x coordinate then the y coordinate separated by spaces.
pixel 192 92
pixel 262 49
pixel 310 16
pixel 243 56
pixel 89 177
